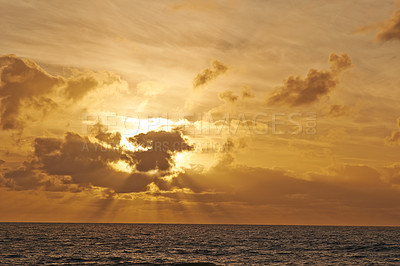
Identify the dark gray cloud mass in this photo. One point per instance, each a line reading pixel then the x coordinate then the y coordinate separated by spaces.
pixel 75 163
pixel 159 149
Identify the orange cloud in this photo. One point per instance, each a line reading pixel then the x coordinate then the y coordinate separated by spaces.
pixel 23 83
pixel 390 30
pixel 21 80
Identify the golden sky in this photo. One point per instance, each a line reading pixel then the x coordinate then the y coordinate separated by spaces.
pixel 184 111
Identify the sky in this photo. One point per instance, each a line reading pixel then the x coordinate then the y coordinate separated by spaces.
pixel 183 111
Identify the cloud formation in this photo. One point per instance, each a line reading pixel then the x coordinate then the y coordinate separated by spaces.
pixel 108 138
pixel 23 82
pixel 390 29
pixel 228 96
pixel 395 137
pixel 256 186
pixel 217 68
pixel 337 110
pixel 159 149
pixel 76 163
pixel 302 91
pixel 247 92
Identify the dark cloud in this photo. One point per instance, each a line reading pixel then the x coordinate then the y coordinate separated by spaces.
pixel 78 87
pixel 390 30
pixel 208 74
pixel 24 83
pixel 228 96
pixel 101 134
pixel 29 176
pixel 301 91
pixel 82 82
pixel 43 103
pixel 21 79
pixel 159 149
pixel 351 187
pixel 73 160
pixel 75 163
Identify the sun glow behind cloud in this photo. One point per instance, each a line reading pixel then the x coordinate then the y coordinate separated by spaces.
pixel 162 75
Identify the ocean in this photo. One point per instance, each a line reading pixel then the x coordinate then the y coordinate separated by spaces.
pixel 179 244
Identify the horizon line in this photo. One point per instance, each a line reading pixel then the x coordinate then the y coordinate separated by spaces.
pixel 230 224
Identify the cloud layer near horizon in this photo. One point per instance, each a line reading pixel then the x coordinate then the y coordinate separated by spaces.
pixel 75 160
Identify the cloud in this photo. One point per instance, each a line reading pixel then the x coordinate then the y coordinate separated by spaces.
pixel 392 173
pixel 23 83
pixel 336 110
pixel 361 176
pixel 395 137
pixel 256 185
pixel 21 79
pixel 208 74
pixel 339 63
pixel 390 29
pixel 302 91
pixel 112 139
pixel 74 160
pixel 247 92
pixel 160 147
pixel 228 96
pixel 76 163
pixel 229 148
pixel 77 87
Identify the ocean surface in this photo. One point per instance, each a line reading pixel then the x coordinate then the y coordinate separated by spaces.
pixel 54 244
